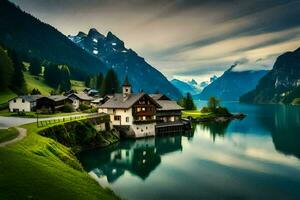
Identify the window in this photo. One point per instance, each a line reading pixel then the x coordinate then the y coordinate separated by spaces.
pixel 126 89
pixel 146 127
pixel 117 118
pixel 143 109
pixel 138 109
pixel 127 119
pixel 15 100
pixel 144 117
pixel 23 100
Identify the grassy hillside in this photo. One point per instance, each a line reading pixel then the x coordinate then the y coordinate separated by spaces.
pixel 40 168
pixel 6 95
pixel 77 85
pixel 38 83
pixel 8 134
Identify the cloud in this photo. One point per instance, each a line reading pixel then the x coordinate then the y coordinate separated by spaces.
pixel 185 37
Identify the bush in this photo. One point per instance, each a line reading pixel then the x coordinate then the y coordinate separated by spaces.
pixel 68 108
pixel 92 110
pixel 83 107
pixel 204 110
pixel 222 111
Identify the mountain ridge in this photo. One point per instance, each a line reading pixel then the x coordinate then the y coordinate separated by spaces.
pixel 111 50
pixel 232 84
pixel 281 84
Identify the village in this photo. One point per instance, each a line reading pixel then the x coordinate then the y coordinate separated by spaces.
pixel 134 115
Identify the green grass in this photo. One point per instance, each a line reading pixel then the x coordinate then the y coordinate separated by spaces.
pixel 195 114
pixel 6 95
pixel 38 83
pixel 77 85
pixel 40 168
pixel 8 134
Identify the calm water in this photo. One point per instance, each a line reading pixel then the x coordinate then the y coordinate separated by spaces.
pixel 257 158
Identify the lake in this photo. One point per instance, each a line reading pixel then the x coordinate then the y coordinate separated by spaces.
pixel 256 158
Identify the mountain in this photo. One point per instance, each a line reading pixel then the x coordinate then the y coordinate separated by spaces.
pixel 183 87
pixel 29 36
pixel 112 51
pixel 281 84
pixel 192 87
pixel 232 84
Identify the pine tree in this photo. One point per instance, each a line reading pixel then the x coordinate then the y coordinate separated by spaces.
pixel 87 81
pixel 189 102
pixel 35 91
pixel 6 70
pixel 52 75
pixel 18 82
pixel 35 67
pixel 99 81
pixel 111 83
pixel 64 76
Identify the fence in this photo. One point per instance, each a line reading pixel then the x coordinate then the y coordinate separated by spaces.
pixel 47 122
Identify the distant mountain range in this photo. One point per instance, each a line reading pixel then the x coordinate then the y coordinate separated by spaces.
pixel 192 87
pixel 281 84
pixel 29 36
pixel 112 51
pixel 232 84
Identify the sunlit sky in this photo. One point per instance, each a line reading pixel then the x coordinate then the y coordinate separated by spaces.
pixel 184 39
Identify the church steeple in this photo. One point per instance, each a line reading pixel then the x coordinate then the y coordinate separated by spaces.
pixel 126 87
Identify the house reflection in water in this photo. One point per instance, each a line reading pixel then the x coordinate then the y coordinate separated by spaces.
pixel 139 157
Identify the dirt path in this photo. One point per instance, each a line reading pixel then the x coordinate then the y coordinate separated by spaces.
pixel 22 134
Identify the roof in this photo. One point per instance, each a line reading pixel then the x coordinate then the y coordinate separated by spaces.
pixel 57 97
pixel 126 82
pixel 118 101
pixel 98 100
pixel 159 96
pixel 30 98
pixel 93 91
pixel 169 105
pixel 82 96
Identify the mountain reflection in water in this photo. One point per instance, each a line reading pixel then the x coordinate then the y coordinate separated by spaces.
pixel 256 158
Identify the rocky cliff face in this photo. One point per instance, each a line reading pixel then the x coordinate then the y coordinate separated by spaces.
pixel 112 51
pixel 281 84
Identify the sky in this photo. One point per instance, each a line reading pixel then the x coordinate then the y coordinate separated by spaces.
pixel 184 39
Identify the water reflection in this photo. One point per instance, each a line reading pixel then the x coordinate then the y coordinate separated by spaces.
pixel 215 129
pixel 256 158
pixel 139 157
pixel 285 129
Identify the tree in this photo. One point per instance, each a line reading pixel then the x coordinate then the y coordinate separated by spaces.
pixel 64 76
pixel 111 83
pixel 187 102
pixel 99 81
pixel 18 82
pixel 51 75
pixel 87 81
pixel 35 67
pixel 6 70
pixel 213 103
pixel 35 91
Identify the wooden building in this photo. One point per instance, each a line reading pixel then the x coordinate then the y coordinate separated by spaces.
pixel 52 103
pixel 136 112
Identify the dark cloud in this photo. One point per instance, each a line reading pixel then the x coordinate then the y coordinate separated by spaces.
pixel 166 31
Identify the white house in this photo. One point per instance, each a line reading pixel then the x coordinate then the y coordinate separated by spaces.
pixel 23 103
pixel 134 112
